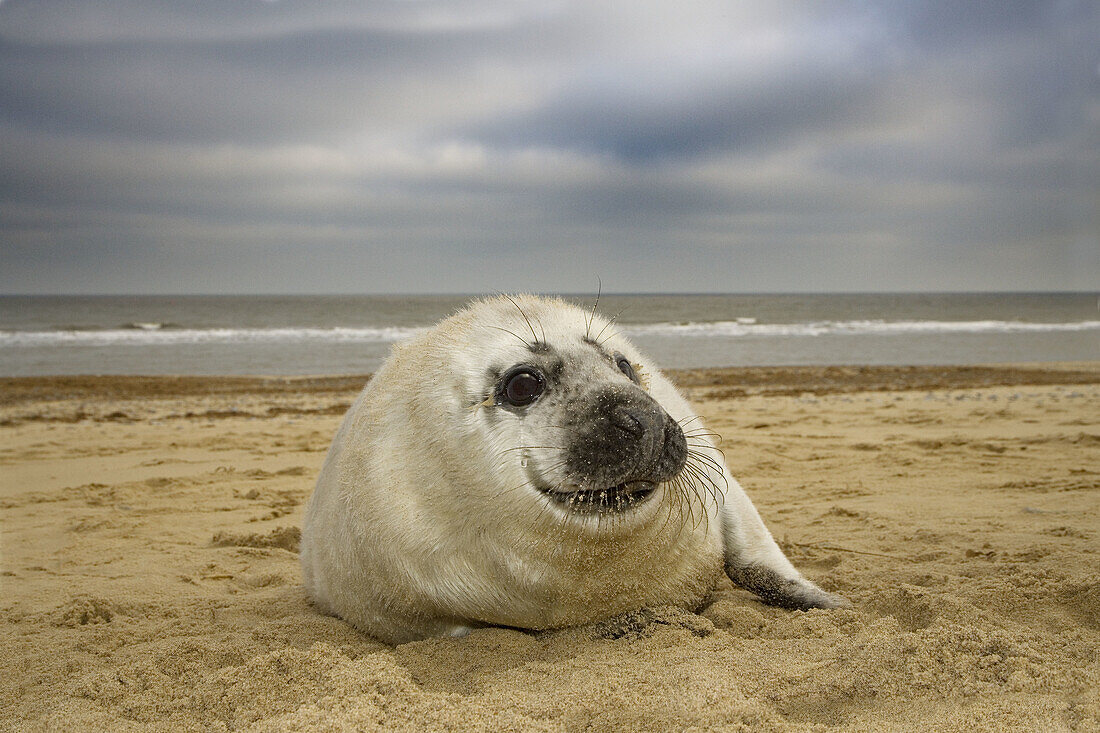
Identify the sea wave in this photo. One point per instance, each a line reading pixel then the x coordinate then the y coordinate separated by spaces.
pixel 143 334
pixel 741 328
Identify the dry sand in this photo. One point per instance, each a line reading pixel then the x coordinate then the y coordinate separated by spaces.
pixel 150 577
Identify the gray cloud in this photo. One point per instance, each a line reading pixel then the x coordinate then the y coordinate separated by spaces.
pixel 687 116
pixel 323 146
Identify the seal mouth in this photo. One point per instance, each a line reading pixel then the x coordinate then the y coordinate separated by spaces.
pixel 612 500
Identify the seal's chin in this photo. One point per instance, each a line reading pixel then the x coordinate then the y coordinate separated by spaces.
pixel 612 500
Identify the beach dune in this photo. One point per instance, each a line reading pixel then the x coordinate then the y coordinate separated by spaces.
pixel 150 578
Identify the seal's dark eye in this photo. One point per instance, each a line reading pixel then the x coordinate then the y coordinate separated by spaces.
pixel 626 368
pixel 522 387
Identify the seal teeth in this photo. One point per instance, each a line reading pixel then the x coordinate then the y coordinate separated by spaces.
pixel 618 498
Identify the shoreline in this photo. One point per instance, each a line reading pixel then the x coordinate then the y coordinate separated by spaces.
pixel 734 381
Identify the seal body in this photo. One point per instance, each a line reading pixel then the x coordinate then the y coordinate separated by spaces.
pixel 521 464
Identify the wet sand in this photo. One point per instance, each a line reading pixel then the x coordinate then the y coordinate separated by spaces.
pixel 150 579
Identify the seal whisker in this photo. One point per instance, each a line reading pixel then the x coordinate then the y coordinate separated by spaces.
pixel 716 460
pixel 675 501
pixel 558 527
pixel 542 330
pixel 672 496
pixel 694 499
pixel 706 479
pixel 692 485
pixel 717 470
pixel 715 455
pixel 592 316
pixel 610 335
pixel 527 482
pixel 530 447
pixel 608 325
pixel 525 318
pixel 521 339
pixel 695 454
pixel 703 440
pixel 702 436
pixel 702 432
pixel 508 491
pixel 686 503
pixel 688 493
pixel 554 467
pixel 704 445
pixel 701 480
pixel 550 468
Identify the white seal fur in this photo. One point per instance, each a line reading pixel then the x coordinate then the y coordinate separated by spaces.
pixel 522 464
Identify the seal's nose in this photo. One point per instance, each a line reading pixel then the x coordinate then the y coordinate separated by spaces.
pixel 633 420
pixel 622 436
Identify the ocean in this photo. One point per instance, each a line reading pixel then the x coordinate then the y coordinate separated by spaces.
pixel 293 335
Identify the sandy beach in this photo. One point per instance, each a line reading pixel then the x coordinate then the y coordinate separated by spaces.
pixel 150 574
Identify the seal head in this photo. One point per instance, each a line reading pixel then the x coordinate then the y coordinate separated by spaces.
pixel 615 443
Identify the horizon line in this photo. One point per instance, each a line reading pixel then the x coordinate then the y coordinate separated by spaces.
pixel 536 291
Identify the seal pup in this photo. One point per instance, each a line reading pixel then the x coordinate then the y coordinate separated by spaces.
pixel 522 464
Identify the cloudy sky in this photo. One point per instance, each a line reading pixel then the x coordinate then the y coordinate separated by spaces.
pixel 289 146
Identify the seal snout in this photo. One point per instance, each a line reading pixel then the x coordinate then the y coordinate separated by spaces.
pixel 624 445
pixel 643 440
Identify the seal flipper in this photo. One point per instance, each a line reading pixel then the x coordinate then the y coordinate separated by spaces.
pixel 775 590
pixel 755 562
